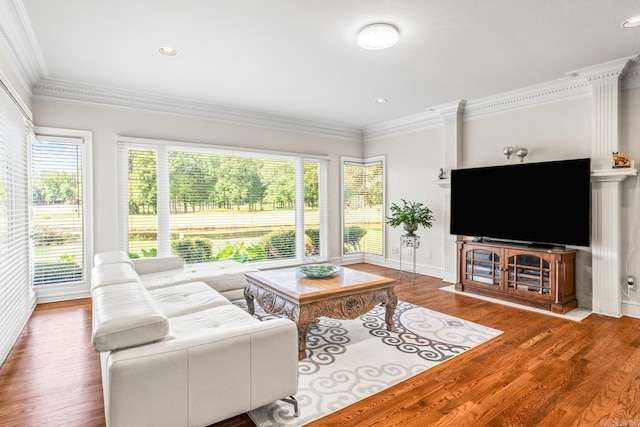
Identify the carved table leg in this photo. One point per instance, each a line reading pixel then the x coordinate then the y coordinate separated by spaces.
pixel 249 298
pixel 303 317
pixel 302 340
pixel 390 305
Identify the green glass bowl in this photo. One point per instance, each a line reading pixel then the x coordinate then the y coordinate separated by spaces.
pixel 319 270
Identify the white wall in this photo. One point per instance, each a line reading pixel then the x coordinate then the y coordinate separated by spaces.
pixel 107 123
pixel 552 131
pixel 412 163
pixel 555 131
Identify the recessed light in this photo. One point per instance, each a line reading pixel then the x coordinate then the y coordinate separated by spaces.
pixel 381 101
pixel 169 51
pixel 631 22
pixel 378 36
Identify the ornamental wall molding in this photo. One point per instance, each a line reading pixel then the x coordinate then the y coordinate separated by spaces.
pixel 570 86
pixel 57 90
pixel 19 45
pixel 567 87
pixel 612 175
pixel 556 90
pixel 564 88
pixel 607 70
pixel 409 124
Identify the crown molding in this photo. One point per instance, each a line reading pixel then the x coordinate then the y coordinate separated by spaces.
pixel 613 68
pixel 13 95
pixel 57 90
pixel 450 108
pixel 555 90
pixel 415 122
pixel 576 83
pixel 631 75
pixel 19 45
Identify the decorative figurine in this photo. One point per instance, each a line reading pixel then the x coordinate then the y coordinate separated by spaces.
pixel 442 174
pixel 620 161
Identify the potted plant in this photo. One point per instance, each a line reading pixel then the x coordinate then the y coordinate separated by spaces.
pixel 411 215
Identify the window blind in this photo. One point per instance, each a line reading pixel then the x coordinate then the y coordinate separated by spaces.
pixel 57 210
pixel 363 207
pixel 208 204
pixel 17 297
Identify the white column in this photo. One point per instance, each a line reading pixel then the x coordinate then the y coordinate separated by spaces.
pixel 452 117
pixel 606 182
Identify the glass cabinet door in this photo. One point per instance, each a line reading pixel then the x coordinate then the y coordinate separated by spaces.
pixel 483 266
pixel 529 273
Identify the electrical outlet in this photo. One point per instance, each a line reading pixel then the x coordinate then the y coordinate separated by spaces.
pixel 631 283
pixel 394 251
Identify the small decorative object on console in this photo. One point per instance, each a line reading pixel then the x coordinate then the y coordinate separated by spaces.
pixel 507 151
pixel 621 161
pixel 319 270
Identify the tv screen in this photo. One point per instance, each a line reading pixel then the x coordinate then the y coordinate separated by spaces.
pixel 545 203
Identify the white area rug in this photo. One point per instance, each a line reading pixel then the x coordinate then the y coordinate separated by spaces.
pixel 577 314
pixel 350 360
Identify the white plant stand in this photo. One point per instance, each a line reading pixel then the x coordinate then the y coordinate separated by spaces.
pixel 409 241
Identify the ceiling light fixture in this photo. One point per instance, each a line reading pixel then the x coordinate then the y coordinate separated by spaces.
pixel 631 22
pixel 378 36
pixel 168 51
pixel 381 101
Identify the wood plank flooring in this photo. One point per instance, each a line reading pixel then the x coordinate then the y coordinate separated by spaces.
pixel 542 371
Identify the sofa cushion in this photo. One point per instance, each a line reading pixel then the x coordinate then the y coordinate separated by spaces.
pixel 155 264
pixel 226 316
pixel 223 276
pixel 111 274
pixel 186 298
pixel 112 257
pixel 125 315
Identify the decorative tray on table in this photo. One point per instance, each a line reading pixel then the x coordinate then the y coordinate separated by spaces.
pixel 318 271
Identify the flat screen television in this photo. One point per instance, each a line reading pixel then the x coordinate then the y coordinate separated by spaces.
pixel 545 203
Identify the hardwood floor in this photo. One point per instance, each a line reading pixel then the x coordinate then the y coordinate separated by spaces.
pixel 542 371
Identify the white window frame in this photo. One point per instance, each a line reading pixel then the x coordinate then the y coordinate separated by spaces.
pixel 362 256
pixel 123 142
pixel 66 291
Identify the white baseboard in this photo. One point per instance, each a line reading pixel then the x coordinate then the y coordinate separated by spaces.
pixel 54 294
pixel 631 309
pixel 577 314
pixel 426 270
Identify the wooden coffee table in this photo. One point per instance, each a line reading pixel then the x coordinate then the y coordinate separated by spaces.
pixel 347 295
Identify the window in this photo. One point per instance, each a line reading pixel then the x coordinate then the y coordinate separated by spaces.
pixel 205 203
pixel 60 229
pixel 363 206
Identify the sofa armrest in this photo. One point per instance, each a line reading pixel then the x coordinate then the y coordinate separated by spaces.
pixel 202 378
pixel 153 265
pixel 125 315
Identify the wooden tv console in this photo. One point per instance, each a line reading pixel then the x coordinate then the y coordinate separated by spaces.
pixel 538 277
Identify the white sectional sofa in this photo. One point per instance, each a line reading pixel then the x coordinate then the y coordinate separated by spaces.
pixel 176 352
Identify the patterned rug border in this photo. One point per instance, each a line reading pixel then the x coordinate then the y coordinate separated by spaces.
pixel 350 360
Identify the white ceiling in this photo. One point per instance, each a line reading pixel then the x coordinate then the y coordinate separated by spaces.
pixel 299 58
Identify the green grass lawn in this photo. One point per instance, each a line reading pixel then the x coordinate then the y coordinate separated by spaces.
pixel 222 226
